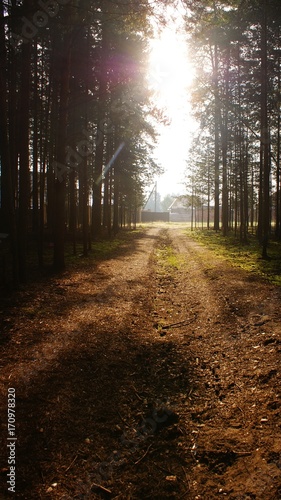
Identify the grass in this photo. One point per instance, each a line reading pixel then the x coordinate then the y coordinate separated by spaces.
pixel 167 258
pixel 110 247
pixel 245 256
pixel 100 250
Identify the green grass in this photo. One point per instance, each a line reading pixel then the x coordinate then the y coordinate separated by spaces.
pixel 110 247
pixel 247 256
pixel 167 258
pixel 100 250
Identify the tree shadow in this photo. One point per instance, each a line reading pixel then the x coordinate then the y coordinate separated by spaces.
pixel 96 408
pixel 55 294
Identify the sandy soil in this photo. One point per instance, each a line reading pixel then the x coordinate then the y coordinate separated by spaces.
pixel 136 379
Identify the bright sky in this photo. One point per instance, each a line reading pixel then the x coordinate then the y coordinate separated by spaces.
pixel 170 75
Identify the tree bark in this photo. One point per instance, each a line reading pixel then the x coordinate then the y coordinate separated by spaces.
pixel 224 128
pixel 265 162
pixel 24 170
pixel 35 190
pixel 217 145
pixel 60 182
pixel 99 156
pixel 8 215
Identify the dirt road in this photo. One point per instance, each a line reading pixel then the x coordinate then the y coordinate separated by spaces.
pixel 153 375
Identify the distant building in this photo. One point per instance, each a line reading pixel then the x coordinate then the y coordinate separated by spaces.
pixel 181 211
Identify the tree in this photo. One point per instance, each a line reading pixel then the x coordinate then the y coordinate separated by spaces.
pixel 238 91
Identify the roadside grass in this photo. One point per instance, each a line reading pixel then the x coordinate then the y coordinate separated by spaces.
pixel 245 256
pixel 106 248
pixel 102 249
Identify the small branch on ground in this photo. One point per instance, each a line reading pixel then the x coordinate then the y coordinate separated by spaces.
pixel 136 393
pixel 74 460
pixel 180 323
pixel 102 488
pixel 140 459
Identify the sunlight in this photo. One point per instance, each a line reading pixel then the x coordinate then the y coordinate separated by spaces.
pixel 170 72
pixel 170 76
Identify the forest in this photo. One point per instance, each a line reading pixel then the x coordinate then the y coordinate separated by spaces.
pixel 73 99
pixel 79 123
pixel 139 361
pixel 235 161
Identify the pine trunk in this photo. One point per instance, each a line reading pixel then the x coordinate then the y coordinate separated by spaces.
pixel 60 183
pixel 24 170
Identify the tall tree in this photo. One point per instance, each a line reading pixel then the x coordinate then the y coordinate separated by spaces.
pixel 60 183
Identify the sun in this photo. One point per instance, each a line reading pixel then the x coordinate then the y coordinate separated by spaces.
pixel 170 76
pixel 170 72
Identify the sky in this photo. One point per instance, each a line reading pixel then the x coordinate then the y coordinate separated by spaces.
pixel 170 76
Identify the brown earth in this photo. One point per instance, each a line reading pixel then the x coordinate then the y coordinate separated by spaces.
pixel 144 378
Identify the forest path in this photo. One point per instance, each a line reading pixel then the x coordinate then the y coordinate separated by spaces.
pixel 153 375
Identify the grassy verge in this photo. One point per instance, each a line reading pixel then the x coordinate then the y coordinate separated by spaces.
pixel 102 249
pixel 247 257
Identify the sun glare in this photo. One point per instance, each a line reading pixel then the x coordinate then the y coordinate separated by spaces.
pixel 170 72
pixel 170 75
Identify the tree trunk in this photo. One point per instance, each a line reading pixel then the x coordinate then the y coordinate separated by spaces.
pixel 278 157
pixel 99 156
pixel 265 163
pixel 73 208
pixel 8 215
pixel 44 147
pixel 60 183
pixel 85 214
pixel 224 126
pixel 116 200
pixel 35 190
pixel 24 171
pixel 217 145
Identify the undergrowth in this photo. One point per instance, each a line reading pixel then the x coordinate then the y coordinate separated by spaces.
pixel 246 256
pixel 102 249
